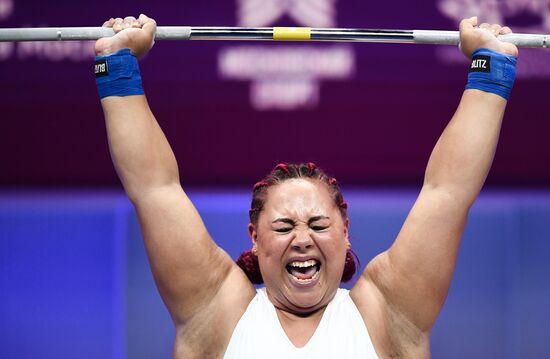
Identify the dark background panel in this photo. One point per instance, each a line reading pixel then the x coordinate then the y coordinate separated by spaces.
pixel 377 127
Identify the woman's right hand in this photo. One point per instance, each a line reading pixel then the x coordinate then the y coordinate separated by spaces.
pixel 136 34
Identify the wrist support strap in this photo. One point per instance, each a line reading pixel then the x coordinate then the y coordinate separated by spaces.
pixel 118 74
pixel 493 72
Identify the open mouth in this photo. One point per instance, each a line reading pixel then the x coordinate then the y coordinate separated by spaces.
pixel 304 271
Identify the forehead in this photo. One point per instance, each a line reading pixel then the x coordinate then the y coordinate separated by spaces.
pixel 299 197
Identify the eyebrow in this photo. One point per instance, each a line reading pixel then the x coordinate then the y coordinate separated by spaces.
pixel 316 218
pixel 284 220
pixel 290 221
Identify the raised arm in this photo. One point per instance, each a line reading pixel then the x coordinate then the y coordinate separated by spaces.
pixel 410 281
pixel 188 267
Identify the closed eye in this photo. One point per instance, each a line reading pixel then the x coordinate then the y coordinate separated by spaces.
pixel 318 228
pixel 283 230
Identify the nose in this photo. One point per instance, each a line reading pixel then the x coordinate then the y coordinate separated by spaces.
pixel 302 241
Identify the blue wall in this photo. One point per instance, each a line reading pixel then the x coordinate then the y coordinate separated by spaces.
pixel 74 281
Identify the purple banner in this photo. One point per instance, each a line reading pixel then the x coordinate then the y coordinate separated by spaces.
pixel 367 113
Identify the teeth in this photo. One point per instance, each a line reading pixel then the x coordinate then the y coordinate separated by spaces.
pixel 307 280
pixel 309 263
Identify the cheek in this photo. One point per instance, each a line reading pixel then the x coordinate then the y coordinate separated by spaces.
pixel 334 240
pixel 333 247
pixel 272 249
pixel 270 254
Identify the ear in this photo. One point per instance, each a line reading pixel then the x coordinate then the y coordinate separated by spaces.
pixel 346 231
pixel 253 234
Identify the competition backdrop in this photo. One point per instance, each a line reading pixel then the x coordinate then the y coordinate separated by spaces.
pixel 369 114
pixel 75 282
pixel 73 276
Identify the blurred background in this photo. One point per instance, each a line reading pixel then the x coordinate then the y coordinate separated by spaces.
pixel 74 281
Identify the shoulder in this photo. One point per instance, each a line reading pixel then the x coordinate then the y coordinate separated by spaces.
pixel 391 333
pixel 209 330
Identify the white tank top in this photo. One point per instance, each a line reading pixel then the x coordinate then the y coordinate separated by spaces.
pixel 342 333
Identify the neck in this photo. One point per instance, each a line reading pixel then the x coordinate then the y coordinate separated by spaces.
pixel 296 315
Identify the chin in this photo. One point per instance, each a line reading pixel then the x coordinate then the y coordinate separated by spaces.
pixel 300 296
pixel 307 297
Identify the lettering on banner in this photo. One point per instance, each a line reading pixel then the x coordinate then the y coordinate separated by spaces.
pixel 6 9
pixel 313 13
pixel 534 16
pixel 6 48
pixel 286 78
pixel 54 51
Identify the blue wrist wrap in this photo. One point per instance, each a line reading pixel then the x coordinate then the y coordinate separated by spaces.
pixel 118 74
pixel 493 72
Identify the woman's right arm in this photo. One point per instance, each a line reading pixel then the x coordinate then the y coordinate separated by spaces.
pixel 189 268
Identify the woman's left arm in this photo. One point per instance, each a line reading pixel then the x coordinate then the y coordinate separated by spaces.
pixel 414 275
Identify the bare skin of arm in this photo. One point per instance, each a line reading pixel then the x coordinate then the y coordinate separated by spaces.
pixel 199 283
pixel 402 290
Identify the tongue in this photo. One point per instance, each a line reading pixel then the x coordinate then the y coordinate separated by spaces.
pixel 304 274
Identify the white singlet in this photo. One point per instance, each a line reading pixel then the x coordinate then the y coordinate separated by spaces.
pixel 341 333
